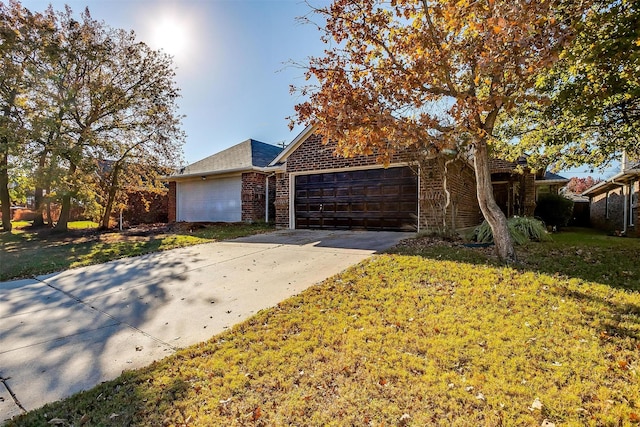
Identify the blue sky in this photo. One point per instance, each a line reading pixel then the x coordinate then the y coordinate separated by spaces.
pixel 232 58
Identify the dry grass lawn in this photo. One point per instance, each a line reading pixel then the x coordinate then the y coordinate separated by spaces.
pixel 409 340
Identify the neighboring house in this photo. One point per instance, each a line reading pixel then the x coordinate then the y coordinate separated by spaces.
pixel 549 183
pixel 614 201
pixel 230 186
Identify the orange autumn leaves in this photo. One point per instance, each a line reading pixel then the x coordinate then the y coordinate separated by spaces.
pixel 413 72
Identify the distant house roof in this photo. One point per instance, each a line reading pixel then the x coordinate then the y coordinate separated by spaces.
pixel 551 178
pixel 248 155
pixel 554 177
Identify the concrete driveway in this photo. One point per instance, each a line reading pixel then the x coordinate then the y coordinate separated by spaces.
pixel 69 331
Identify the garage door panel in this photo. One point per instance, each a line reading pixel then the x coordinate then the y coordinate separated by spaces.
pixel 209 200
pixel 373 199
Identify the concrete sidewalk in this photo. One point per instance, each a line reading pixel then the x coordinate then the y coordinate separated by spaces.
pixel 69 331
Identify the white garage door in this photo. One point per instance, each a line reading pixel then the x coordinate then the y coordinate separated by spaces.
pixel 211 200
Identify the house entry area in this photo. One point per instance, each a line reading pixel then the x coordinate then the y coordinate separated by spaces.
pixel 371 199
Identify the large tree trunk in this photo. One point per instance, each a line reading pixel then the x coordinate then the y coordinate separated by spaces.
pixel 65 211
pixel 65 208
pixel 111 196
pixel 5 200
pixel 38 220
pixel 490 209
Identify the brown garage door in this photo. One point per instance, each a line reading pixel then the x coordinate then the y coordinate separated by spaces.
pixel 374 199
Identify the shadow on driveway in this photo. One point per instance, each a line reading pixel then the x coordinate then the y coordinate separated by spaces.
pixel 69 331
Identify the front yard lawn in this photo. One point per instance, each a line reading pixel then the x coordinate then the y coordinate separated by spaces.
pixel 25 253
pixel 405 339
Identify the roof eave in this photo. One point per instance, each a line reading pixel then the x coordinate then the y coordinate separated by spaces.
pixel 550 181
pixel 215 173
pixel 629 173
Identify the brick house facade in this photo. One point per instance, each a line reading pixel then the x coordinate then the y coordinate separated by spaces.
pixel 309 155
pixel 513 187
pixel 614 206
pixel 255 198
pixel 307 185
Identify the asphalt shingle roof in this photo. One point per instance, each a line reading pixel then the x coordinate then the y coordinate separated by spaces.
pixel 246 155
pixel 554 177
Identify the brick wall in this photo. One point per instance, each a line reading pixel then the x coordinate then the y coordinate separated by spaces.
pixel 171 202
pixel 501 166
pixel 281 202
pixel 463 210
pixel 313 155
pixel 614 221
pixel 529 196
pixel 272 198
pixel 253 196
pixel 613 201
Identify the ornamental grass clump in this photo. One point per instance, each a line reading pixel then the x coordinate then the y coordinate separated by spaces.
pixel 521 230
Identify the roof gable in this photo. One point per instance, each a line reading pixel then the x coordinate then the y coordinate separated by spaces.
pixel 247 155
pixel 289 149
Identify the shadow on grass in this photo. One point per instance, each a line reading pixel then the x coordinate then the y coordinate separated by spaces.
pixel 28 252
pixel 64 331
pixel 584 254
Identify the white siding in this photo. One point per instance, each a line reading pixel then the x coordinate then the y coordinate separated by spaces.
pixel 210 200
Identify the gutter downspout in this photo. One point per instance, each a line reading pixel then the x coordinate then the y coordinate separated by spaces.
pixel 624 205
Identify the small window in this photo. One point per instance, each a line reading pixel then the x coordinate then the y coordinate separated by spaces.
pixel 606 206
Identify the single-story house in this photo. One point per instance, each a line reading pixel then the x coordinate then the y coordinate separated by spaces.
pixel 317 189
pixel 312 187
pixel 231 186
pixel 614 201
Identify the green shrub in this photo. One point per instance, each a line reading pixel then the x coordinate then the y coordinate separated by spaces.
pixel 554 209
pixel 521 229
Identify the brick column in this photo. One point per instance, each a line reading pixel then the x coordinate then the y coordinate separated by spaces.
pixel 171 204
pixel 529 193
pixel 253 196
pixel 282 200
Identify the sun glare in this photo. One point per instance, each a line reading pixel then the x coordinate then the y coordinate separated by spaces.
pixel 169 35
pixel 171 30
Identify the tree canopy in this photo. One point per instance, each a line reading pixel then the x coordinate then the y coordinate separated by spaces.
pixel 593 91
pixel 432 75
pixel 97 108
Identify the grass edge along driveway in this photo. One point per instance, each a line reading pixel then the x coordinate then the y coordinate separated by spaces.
pixel 26 253
pixel 401 340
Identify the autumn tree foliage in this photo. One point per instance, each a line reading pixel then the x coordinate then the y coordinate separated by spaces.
pixel 580 185
pixel 88 96
pixel 20 36
pixel 431 75
pixel 593 90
